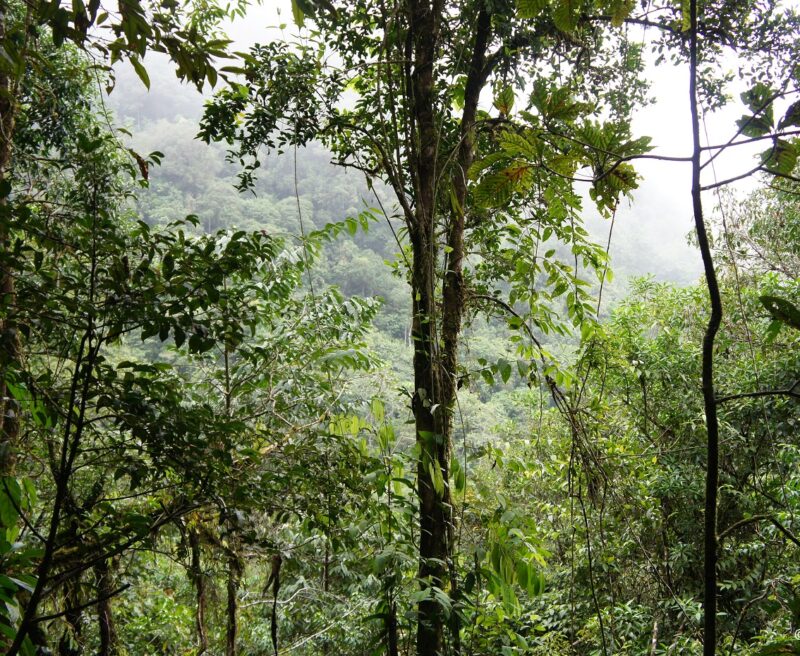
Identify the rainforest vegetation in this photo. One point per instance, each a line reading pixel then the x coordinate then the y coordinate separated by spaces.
pixel 331 343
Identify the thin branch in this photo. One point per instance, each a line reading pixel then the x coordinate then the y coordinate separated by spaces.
pixel 742 614
pixel 735 178
pixel 789 391
pixel 765 137
pixel 745 124
pixel 88 604
pixel 757 518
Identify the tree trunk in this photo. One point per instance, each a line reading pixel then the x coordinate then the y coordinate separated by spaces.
pixel 435 366
pixel 232 623
pixel 9 337
pixel 70 642
pixel 392 639
pixel 432 466
pixel 709 395
pixel 453 299
pixel 104 574
pixel 199 581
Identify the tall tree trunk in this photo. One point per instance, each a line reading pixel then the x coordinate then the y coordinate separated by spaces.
pixel 70 642
pixel 232 611
pixel 199 582
pixel 429 411
pixel 709 395
pixel 392 638
pixel 9 337
pixel 435 362
pixel 104 574
pixel 453 299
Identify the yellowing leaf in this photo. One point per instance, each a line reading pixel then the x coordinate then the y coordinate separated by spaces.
pixel 620 10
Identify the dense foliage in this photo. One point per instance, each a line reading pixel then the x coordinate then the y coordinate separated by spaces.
pixel 335 365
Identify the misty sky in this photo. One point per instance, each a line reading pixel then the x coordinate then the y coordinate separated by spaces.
pixel 659 219
pixel 660 215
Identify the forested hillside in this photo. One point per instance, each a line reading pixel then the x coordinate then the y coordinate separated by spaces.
pixel 382 334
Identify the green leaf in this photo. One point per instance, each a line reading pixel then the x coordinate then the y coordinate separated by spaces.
pixel 754 126
pixel 504 368
pixel 298 14
pixel 179 336
pixel 527 9
pixel 565 15
pixel 620 10
pixel 437 479
pixel 522 574
pixel 504 100
pixel 792 117
pixel 772 331
pixel 781 158
pixel 168 266
pixel 686 16
pixel 497 189
pixel 10 501
pixel 759 100
pixel 378 410
pixel 782 310
pixel 781 648
pixel 141 71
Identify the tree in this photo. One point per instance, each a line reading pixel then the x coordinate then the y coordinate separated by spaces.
pixel 187 35
pixel 463 179
pixel 131 440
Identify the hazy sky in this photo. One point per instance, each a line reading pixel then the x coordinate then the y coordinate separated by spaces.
pixel 661 212
pixel 659 218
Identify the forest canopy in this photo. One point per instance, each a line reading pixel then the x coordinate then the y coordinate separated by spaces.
pixel 348 352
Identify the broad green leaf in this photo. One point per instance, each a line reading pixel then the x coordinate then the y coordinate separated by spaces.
pixel 792 117
pixel 758 98
pixel 754 126
pixel 504 100
pixel 504 369
pixel 522 574
pixel 686 16
pixel 565 15
pixel 437 478
pixel 782 310
pixel 781 158
pixel 141 71
pixel 620 10
pixel 298 14
pixel 378 410
pixel 527 9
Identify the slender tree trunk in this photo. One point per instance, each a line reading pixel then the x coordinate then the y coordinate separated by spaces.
pixel 69 643
pixel 232 621
pixel 104 574
pixel 435 355
pixel 199 581
pixel 709 397
pixel 275 582
pixel 432 466
pixel 453 299
pixel 9 337
pixel 392 640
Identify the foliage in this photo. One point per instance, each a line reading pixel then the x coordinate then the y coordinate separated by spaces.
pixel 213 456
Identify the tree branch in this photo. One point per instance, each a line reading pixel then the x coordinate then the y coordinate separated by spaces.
pixel 88 604
pixel 789 391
